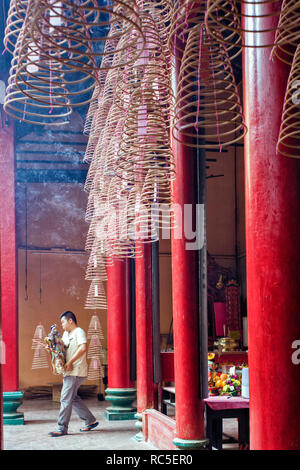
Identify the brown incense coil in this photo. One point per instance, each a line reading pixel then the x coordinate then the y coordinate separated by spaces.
pixel 96 298
pixel 161 12
pixel 96 268
pixel 207 113
pixel 289 135
pixel 74 23
pixel 151 68
pixel 90 149
pixel 145 144
pixel 95 371
pixel 288 32
pixel 112 153
pixel 95 348
pixel 229 18
pixel 37 70
pixel 92 109
pixel 14 23
pixel 120 245
pixel 40 359
pixel 38 336
pixel 156 201
pixel 95 328
pixel 96 207
pixel 186 15
pixel 33 100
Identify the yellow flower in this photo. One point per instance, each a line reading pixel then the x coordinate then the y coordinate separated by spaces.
pixel 211 356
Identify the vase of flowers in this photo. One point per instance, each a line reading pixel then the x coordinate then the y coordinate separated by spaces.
pixel 232 386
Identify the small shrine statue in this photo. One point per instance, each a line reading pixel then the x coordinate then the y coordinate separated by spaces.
pixel 57 350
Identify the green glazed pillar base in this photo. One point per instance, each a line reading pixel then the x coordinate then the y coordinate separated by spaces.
pixel 121 400
pixel 188 444
pixel 11 402
pixel 139 425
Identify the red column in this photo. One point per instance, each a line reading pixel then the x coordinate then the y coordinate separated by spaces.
pixel 9 289
pixel 189 408
pixel 120 391
pixel 273 255
pixel 144 349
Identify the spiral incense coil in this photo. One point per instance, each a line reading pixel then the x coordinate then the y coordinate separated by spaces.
pixel 40 359
pixel 14 23
pixel 74 23
pixel 186 15
pixel 96 268
pixel 120 245
pixel 289 135
pixel 145 144
pixel 151 67
pixel 95 348
pixel 226 17
pixel 161 12
pixel 96 298
pixel 38 336
pixel 288 32
pixel 157 198
pixel 207 112
pixel 95 371
pixel 112 154
pixel 95 207
pixel 92 109
pixel 95 328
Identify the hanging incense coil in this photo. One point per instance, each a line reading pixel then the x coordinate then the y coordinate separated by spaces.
pixel 95 371
pixel 120 245
pixel 96 298
pixel 95 328
pixel 95 347
pixel 74 23
pixel 156 197
pixel 289 135
pixel 186 15
pixel 15 18
pixel 161 12
pixel 207 112
pixel 288 32
pixel 92 109
pixel 40 359
pixel 38 336
pixel 96 268
pixel 145 144
pixel 237 23
pixel 36 104
pixel 151 68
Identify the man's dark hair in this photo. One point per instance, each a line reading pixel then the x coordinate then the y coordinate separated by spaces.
pixel 68 314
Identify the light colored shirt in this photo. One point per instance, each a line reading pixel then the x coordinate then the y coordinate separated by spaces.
pixel 72 341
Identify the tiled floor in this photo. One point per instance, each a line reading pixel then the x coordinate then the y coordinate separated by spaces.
pixel 40 418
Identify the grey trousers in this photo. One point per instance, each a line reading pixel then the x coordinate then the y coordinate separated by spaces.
pixel 69 400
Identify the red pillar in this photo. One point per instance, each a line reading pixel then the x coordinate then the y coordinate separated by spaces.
pixel 189 407
pixel 144 349
pixel 9 291
pixel 120 392
pixel 273 255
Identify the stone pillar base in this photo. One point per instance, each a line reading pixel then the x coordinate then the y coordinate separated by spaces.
pixel 121 399
pixel 11 402
pixel 139 425
pixel 188 444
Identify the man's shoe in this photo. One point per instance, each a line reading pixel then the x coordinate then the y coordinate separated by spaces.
pixel 57 433
pixel 89 427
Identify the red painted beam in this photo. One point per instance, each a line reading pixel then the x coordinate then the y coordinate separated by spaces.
pixel 272 192
pixel 118 325
pixel 9 287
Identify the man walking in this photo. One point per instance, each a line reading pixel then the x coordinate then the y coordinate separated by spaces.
pixel 74 339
